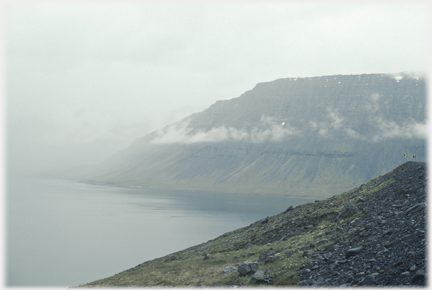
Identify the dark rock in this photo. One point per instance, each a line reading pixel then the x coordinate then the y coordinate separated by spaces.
pixel 353 251
pixel 318 282
pixel 173 258
pixel 263 257
pixel 398 263
pixel 247 268
pixel 388 232
pixel 249 245
pixel 288 209
pixel 412 255
pixel 368 280
pixel 257 277
pixel 303 283
pixel 416 208
pixel 418 277
pixel 307 253
pixel 207 256
pixel 326 233
pixel 322 242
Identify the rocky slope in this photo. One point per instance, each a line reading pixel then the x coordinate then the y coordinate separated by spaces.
pixel 372 235
pixel 296 136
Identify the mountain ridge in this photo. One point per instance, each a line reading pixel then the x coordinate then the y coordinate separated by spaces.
pixel 324 134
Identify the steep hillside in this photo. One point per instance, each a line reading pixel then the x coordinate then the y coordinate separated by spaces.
pixel 296 136
pixel 372 235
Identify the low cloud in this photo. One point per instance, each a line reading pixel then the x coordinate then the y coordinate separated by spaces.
pixel 181 133
pixel 375 97
pixel 336 120
pixel 324 129
pixel 408 130
pixel 384 129
pixel 373 105
pixel 271 130
pixel 353 134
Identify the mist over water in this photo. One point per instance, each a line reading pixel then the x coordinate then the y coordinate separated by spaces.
pixel 62 233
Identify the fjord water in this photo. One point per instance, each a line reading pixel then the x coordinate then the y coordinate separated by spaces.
pixel 65 233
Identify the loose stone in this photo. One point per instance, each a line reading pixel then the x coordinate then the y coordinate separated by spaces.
pixel 353 252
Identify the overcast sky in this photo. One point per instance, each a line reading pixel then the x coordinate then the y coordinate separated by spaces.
pixel 84 80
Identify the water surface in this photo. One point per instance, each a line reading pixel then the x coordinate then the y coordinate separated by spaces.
pixel 64 233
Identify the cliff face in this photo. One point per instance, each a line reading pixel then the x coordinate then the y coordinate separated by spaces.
pixel 296 136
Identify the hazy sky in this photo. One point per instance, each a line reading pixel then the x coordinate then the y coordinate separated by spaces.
pixel 84 80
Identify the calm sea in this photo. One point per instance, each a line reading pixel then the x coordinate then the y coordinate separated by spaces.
pixel 64 233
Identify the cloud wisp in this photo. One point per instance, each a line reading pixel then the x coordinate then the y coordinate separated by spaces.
pixel 181 133
pixel 408 130
pixel 271 130
pixel 384 129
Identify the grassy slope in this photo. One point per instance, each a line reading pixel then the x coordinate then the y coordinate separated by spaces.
pixel 285 231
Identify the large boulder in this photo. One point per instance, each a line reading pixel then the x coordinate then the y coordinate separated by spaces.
pixel 247 268
pixel 258 277
pixel 263 257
